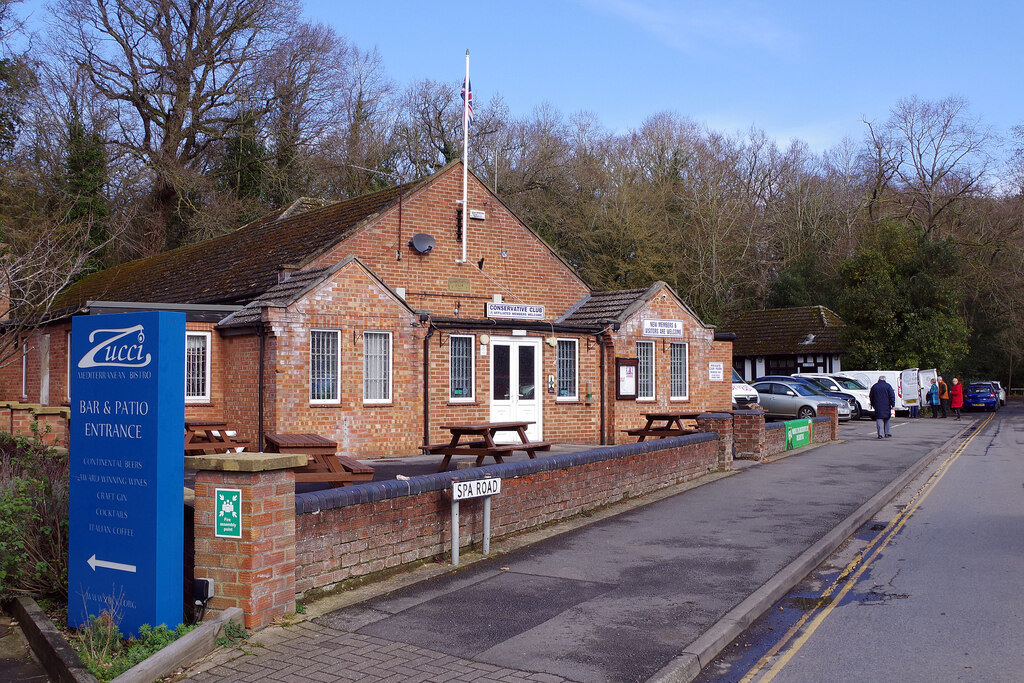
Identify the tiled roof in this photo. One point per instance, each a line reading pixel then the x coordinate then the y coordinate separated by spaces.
pixel 291 290
pixel 787 331
pixel 239 266
pixel 603 307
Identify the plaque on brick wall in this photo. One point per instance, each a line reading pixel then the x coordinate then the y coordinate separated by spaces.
pixel 459 284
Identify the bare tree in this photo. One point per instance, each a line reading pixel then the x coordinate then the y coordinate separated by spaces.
pixel 177 71
pixel 935 153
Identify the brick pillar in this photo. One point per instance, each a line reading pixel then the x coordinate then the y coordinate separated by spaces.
pixel 257 571
pixel 721 424
pixel 831 412
pixel 22 418
pixel 748 434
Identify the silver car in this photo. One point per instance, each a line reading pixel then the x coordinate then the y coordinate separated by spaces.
pixel 794 400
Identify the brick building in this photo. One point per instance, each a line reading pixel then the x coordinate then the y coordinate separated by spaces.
pixel 360 321
pixel 782 341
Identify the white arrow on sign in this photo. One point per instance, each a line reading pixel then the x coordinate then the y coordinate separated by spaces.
pixel 93 562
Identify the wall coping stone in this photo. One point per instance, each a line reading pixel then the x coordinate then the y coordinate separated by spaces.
pixel 245 461
pixel 53 410
pixel 774 425
pixel 370 492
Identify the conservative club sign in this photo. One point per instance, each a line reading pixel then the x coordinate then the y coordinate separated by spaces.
pixel 127 468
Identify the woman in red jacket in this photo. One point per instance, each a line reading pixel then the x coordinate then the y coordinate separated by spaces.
pixel 956 397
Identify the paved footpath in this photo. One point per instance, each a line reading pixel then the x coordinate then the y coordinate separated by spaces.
pixel 646 593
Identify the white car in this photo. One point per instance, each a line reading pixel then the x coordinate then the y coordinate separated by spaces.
pixel 1000 391
pixel 847 385
pixel 743 394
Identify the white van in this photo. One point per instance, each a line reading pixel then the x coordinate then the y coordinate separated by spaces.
pixel 743 394
pixel 836 382
pixel 870 377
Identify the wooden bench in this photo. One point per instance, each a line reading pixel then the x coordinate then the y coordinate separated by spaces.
pixel 325 465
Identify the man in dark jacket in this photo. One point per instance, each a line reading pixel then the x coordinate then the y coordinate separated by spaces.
pixel 883 399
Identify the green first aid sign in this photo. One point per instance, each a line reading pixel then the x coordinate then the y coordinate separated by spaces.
pixel 798 433
pixel 228 513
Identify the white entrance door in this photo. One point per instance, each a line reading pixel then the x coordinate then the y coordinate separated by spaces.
pixel 516 386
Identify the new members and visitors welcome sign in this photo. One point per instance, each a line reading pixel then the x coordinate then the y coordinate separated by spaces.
pixel 127 468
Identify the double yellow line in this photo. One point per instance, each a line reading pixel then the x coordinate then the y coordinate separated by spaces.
pixel 850 575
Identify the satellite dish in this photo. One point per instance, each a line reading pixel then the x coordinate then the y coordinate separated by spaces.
pixel 422 242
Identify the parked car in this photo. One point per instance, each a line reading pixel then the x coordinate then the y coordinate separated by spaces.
pixel 842 385
pixel 743 394
pixel 981 396
pixel 1001 392
pixel 793 399
pixel 847 401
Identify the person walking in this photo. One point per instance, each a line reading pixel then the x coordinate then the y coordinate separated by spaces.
pixel 943 395
pixel 956 397
pixel 883 400
pixel 933 397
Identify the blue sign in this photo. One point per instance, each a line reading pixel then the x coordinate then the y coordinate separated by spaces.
pixel 127 468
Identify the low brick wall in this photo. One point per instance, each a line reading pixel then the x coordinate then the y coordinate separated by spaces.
pixel 774 438
pixel 822 429
pixel 51 423
pixel 349 532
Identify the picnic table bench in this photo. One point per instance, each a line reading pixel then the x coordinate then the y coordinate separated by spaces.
pixel 211 436
pixel 664 424
pixel 483 446
pixel 325 465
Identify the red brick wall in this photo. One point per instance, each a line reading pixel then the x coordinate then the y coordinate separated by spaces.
pixel 566 421
pixel 256 572
pixel 775 439
pixel 529 273
pixel 704 395
pixel 352 302
pixel 345 542
pixel 749 434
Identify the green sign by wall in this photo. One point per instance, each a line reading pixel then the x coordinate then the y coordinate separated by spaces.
pixel 229 513
pixel 798 433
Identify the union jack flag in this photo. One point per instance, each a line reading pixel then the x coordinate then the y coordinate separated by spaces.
pixel 469 101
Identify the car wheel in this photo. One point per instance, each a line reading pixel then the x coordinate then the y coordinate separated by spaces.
pixel 805 413
pixel 855 415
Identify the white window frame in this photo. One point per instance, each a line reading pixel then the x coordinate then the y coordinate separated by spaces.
pixel 389 376
pixel 471 397
pixel 575 396
pixel 207 338
pixel 652 366
pixel 336 399
pixel 686 370
pixel 67 348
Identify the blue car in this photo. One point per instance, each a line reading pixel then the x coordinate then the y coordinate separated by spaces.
pixel 981 396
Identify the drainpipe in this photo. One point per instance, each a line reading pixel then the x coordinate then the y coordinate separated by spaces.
pixel 600 390
pixel 259 389
pixel 426 384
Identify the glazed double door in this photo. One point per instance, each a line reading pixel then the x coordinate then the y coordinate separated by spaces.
pixel 516 385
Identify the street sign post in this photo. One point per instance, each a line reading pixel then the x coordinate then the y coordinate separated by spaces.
pixel 127 469
pixel 478 488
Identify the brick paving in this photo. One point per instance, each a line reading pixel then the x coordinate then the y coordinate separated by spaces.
pixel 312 652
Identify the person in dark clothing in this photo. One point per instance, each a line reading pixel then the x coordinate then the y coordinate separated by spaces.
pixel 943 396
pixel 883 400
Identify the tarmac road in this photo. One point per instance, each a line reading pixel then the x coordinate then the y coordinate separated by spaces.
pixel 935 589
pixel 650 592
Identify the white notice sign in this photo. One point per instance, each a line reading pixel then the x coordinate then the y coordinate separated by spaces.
pixel 716 372
pixel 515 311
pixel 475 489
pixel 663 328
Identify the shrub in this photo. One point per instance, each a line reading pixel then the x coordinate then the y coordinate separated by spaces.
pixel 33 518
pixel 107 654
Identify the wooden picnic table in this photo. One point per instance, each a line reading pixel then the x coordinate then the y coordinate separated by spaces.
pixel 211 436
pixel 664 424
pixel 325 465
pixel 481 443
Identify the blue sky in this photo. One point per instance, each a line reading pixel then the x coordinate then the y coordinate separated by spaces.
pixel 811 70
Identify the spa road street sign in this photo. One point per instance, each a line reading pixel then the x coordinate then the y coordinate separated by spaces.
pixel 127 468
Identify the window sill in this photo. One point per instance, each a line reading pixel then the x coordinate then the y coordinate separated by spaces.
pixel 453 402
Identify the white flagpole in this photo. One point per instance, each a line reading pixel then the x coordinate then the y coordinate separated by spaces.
pixel 465 158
